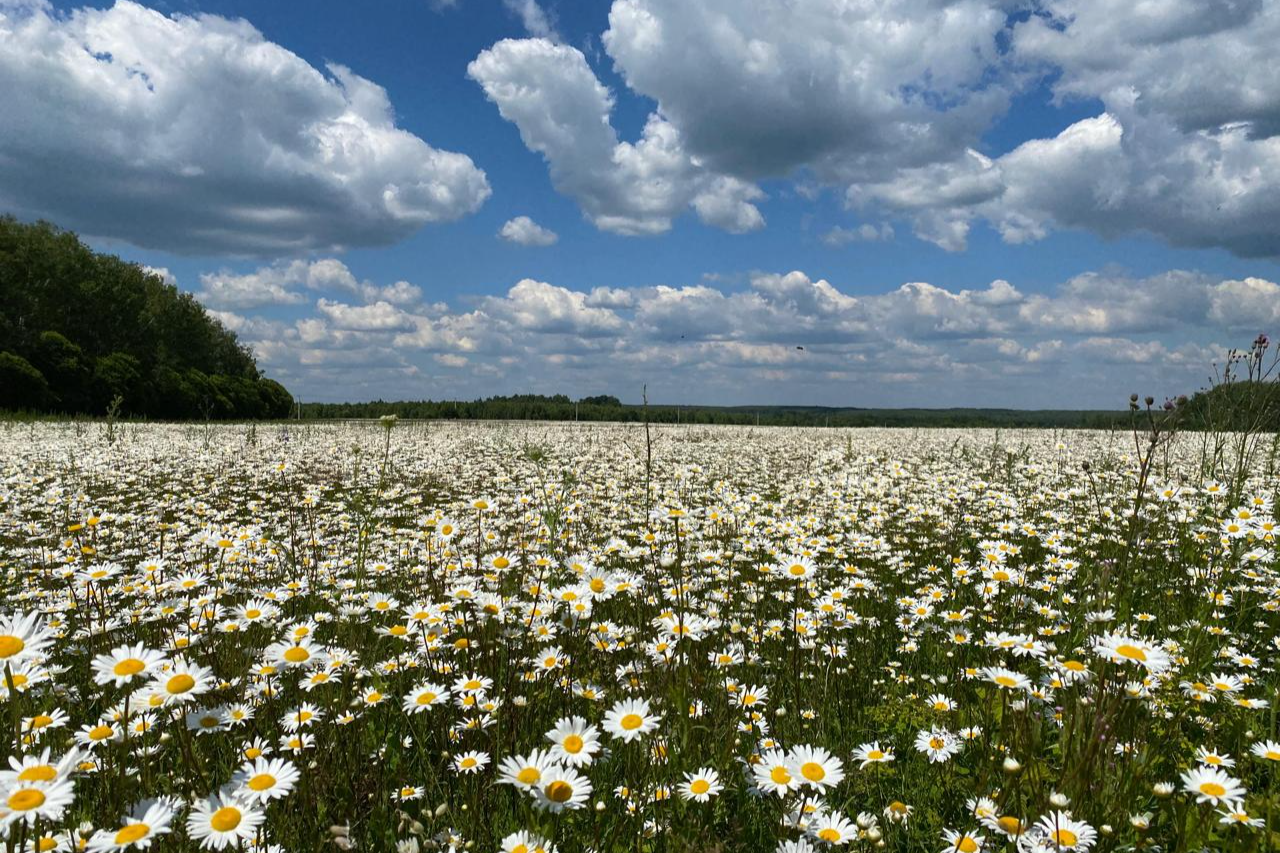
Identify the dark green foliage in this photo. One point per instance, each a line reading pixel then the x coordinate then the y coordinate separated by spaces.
pixel 561 408
pixel 22 386
pixel 1235 406
pixel 82 328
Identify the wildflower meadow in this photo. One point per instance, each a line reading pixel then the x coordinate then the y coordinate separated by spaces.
pixel 407 636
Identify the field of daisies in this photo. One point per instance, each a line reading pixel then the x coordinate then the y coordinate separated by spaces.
pixel 525 637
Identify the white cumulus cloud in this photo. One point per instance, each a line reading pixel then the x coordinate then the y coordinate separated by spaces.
pixel 526 232
pixel 194 133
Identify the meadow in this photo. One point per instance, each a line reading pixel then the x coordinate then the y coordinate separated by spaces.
pixel 408 636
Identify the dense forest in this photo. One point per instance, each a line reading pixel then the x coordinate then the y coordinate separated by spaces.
pixel 559 407
pixel 86 333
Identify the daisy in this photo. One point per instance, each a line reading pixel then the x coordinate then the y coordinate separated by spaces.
pixel 182 682
pixel 305 715
pixel 1211 785
pixel 1267 749
pixel 472 684
pixel 223 821
pixel 524 772
pixel 22 636
pixel 817 767
pixel 27 802
pixel 799 845
pixel 526 842
pixel 629 719
pixel 470 762
pixel 872 753
pixel 1066 833
pixel 408 793
pixel 573 742
pixel 40 768
pixel 300 651
pixel 426 695
pixel 126 663
pixel 797 567
pixel 1237 816
pixel 701 785
pixel 962 842
pixel 265 779
pixel 1006 679
pixel 833 828
pixel 138 830
pixel 563 788
pixel 773 773
pixel 939 702
pixel 95 736
pixel 938 744
pixel 1121 649
pixel 1212 758
pixel 46 720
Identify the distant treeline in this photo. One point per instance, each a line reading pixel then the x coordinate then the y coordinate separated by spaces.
pixel 83 332
pixel 559 407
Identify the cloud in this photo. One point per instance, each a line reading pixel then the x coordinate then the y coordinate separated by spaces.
pixel 889 102
pixel 865 233
pixel 1186 147
pixel 526 232
pixel 563 112
pixel 534 18
pixel 195 134
pixel 277 285
pixel 535 306
pixel 777 337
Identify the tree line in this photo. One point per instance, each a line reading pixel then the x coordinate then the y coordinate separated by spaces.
pixel 560 407
pixel 82 332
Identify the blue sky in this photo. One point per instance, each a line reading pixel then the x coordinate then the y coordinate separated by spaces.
pixel 1032 204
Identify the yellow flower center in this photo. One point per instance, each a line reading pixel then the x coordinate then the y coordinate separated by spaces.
pixel 631 722
pixel 813 771
pixel 25 800
pixel 129 666
pixel 180 683
pixel 261 782
pixel 1131 652
pixel 100 732
pixel 131 833
pixel 965 844
pixel 829 834
pixel 39 721
pixel 700 786
pixel 1213 789
pixel 875 755
pixel 10 645
pixel 1010 824
pixel 572 744
pixel 38 773
pixel 1065 838
pixel 297 654
pixel 225 819
pixel 426 698
pixel 529 776
pixel 559 792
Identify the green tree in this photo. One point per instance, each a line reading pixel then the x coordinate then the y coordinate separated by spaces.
pixel 22 385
